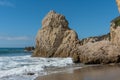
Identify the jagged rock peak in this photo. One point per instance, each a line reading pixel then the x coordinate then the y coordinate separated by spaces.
pixel 52 12
pixel 54 20
pixel 56 39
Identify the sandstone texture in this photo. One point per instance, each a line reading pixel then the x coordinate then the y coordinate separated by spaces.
pixel 115 31
pixel 56 39
pixel 99 52
pixel 95 39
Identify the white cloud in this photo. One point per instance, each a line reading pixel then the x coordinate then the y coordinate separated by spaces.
pixel 21 38
pixel 6 3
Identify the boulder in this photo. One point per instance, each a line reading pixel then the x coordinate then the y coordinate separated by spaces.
pixel 29 49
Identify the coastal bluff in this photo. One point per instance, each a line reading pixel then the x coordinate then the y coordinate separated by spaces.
pixel 56 39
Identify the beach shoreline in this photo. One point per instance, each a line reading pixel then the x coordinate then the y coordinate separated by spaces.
pixel 97 72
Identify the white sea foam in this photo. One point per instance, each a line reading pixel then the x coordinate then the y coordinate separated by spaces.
pixel 17 67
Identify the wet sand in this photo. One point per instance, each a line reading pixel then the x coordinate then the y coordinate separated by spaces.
pixel 101 72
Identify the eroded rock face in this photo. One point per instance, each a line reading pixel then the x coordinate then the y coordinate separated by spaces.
pixel 56 39
pixel 95 39
pixel 115 32
pixel 99 52
pixel 102 49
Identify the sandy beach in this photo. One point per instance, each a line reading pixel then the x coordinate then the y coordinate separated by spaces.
pixel 101 72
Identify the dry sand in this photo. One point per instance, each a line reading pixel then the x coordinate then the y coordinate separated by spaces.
pixel 103 72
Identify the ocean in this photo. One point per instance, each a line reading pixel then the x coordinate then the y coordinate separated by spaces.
pixel 16 64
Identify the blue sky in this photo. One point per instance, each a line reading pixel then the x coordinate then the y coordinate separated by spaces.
pixel 20 20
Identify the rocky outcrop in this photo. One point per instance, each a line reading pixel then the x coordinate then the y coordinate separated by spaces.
pixel 95 39
pixel 56 39
pixel 115 31
pixel 29 49
pixel 102 49
pixel 99 52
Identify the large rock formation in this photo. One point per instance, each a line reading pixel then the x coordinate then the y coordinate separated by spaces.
pixel 56 39
pixel 99 52
pixel 102 49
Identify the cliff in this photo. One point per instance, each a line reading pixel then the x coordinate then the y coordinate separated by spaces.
pixel 102 49
pixel 115 31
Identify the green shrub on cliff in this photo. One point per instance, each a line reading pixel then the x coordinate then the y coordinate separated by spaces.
pixel 116 21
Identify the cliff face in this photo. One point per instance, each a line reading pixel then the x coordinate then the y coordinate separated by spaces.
pixel 99 52
pixel 115 31
pixel 102 49
pixel 56 39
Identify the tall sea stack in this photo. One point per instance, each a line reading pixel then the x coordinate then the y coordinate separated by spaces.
pixel 56 39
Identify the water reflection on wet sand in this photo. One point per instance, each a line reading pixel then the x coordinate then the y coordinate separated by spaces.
pixel 104 72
